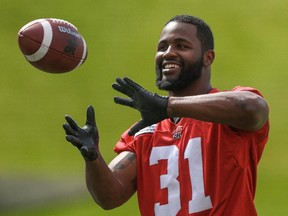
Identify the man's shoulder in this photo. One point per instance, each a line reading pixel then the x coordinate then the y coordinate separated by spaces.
pixel 147 130
pixel 239 88
pixel 247 88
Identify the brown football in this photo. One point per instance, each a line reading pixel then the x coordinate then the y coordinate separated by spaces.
pixel 52 45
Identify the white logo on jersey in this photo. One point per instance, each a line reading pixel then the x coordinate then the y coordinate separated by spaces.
pixel 149 129
pixel 177 134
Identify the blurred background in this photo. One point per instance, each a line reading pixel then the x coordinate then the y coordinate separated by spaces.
pixel 42 174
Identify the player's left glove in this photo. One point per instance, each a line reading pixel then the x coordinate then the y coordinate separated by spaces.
pixel 86 138
pixel 153 108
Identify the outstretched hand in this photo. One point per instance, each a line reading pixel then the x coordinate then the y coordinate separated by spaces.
pixel 86 138
pixel 153 108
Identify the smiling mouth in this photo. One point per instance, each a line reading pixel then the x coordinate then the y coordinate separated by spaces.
pixel 170 66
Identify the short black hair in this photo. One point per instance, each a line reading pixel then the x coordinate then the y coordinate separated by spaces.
pixel 204 32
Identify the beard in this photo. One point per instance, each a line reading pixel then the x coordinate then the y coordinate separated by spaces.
pixel 187 76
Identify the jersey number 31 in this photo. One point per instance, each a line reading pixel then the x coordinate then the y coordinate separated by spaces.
pixel 193 153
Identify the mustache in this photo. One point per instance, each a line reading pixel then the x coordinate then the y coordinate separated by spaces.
pixel 187 76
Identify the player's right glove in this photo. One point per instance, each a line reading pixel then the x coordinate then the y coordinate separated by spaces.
pixel 153 107
pixel 86 138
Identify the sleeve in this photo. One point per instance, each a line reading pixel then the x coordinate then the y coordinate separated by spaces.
pixel 125 143
pixel 130 143
pixel 241 88
pixel 261 136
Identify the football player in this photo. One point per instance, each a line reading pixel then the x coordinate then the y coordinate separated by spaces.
pixel 194 152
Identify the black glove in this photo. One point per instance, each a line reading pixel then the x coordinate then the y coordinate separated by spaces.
pixel 153 108
pixel 86 138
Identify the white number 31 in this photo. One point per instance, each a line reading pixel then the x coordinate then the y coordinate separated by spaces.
pixel 193 153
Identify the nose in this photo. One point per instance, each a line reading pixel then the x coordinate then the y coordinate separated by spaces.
pixel 169 52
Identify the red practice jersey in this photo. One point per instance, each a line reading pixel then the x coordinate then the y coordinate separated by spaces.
pixel 196 168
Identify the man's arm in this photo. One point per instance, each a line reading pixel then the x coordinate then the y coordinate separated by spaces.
pixel 242 109
pixel 114 185
pixel 239 109
pixel 110 186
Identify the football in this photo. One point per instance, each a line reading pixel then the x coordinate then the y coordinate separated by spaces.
pixel 52 45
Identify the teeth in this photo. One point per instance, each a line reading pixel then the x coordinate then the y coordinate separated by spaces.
pixel 169 66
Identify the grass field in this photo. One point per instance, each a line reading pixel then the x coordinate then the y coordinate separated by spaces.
pixel 251 47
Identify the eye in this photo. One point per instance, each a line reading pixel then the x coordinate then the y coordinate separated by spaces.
pixel 182 46
pixel 161 47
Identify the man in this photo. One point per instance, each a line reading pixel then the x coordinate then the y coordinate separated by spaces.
pixel 194 152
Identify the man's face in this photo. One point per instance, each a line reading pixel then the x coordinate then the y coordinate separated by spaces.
pixel 179 59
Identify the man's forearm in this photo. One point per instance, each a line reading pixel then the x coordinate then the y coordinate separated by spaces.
pixel 102 184
pixel 111 186
pixel 243 110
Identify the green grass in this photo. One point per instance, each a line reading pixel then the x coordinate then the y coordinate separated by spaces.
pixel 76 208
pixel 251 49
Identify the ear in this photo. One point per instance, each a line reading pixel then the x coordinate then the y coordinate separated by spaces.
pixel 208 57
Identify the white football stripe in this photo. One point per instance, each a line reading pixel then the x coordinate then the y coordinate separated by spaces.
pixel 83 54
pixel 47 39
pixel 30 24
